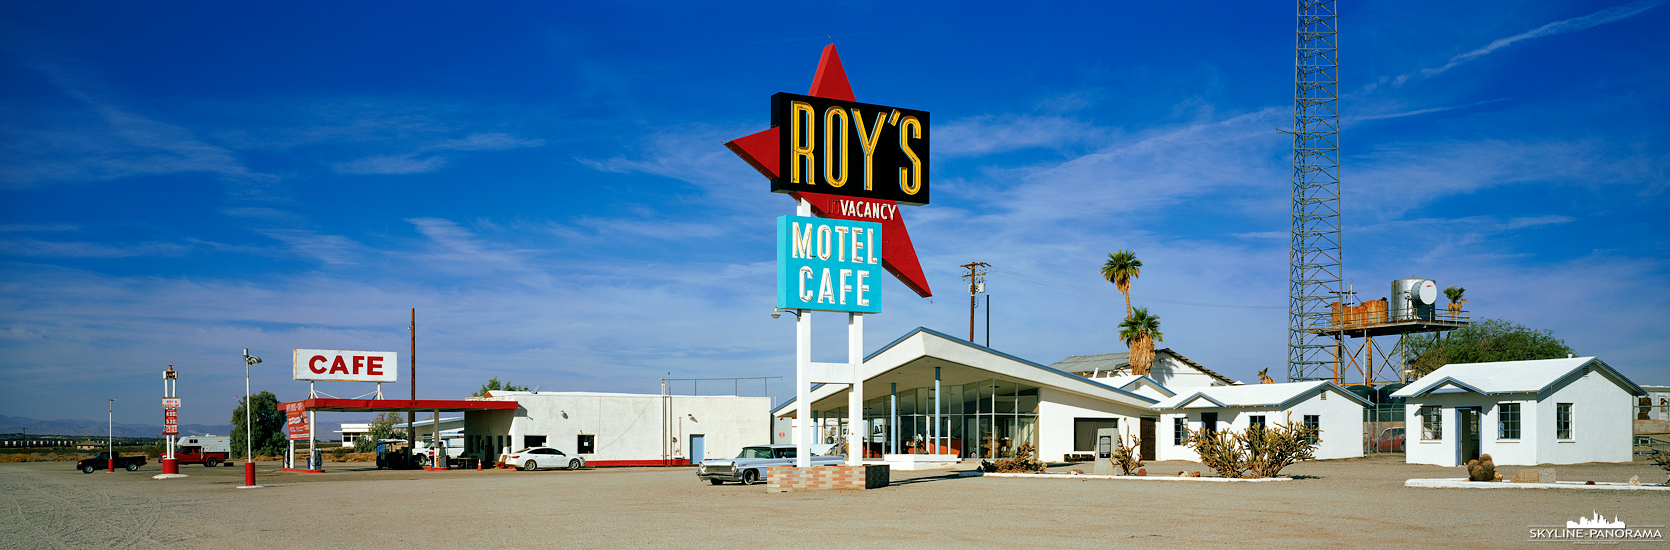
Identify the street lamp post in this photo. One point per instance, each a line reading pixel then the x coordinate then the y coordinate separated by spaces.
pixel 110 439
pixel 249 426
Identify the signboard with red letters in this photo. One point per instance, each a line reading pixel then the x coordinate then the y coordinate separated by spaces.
pixel 343 365
pixel 170 422
pixel 295 422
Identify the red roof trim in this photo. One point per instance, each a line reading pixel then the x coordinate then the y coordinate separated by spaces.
pixel 400 405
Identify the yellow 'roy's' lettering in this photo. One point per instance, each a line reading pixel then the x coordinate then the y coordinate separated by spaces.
pixel 830 156
pixel 914 173
pixel 800 140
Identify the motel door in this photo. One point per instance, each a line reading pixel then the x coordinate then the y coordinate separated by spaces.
pixel 1148 425
pixel 1467 420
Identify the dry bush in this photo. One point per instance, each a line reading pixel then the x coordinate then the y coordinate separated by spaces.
pixel 357 457
pixel 1127 457
pixel 1256 452
pixel 1022 463
pixel 1662 460
pixel 1272 448
pixel 18 457
pixel 1219 450
pixel 1482 469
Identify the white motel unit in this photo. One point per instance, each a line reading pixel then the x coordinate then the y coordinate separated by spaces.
pixel 620 429
pixel 1325 405
pixel 1548 411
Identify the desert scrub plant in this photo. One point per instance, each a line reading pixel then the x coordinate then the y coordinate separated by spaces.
pixel 1022 463
pixel 1482 469
pixel 1272 448
pixel 1258 451
pixel 1125 456
pixel 1662 460
pixel 1219 450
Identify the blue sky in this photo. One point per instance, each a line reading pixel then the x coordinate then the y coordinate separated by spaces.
pixel 547 186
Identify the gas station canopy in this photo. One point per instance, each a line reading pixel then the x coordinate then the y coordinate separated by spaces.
pixel 400 405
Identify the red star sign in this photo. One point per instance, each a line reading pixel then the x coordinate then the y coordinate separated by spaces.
pixel 898 255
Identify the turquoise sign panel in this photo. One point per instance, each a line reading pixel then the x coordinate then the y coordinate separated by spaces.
pixel 829 265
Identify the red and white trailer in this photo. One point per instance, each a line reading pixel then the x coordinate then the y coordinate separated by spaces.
pixel 208 450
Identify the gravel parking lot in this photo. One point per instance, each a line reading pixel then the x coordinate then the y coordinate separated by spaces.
pixel 1335 504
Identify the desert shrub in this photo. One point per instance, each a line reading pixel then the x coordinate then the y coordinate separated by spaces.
pixel 1482 469
pixel 1219 450
pixel 357 457
pixel 1127 457
pixel 17 457
pixel 1258 451
pixel 1662 460
pixel 1022 463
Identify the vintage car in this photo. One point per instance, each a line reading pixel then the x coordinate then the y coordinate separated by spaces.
pixel 750 466
pixel 1390 440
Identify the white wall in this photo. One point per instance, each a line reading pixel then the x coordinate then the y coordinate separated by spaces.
pixel 1602 426
pixel 630 427
pixel 1057 409
pixel 1175 374
pixel 1602 423
pixel 1341 423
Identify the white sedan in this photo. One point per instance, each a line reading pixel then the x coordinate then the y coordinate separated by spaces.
pixel 534 458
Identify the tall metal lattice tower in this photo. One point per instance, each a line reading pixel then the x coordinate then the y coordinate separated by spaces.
pixel 1314 253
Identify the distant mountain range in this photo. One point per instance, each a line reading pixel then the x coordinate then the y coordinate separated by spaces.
pixel 43 428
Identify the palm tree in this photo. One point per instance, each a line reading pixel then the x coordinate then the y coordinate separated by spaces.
pixel 1454 294
pixel 1264 376
pixel 1140 331
pixel 1122 268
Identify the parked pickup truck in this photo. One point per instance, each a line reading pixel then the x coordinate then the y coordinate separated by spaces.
pixel 102 461
pixel 749 466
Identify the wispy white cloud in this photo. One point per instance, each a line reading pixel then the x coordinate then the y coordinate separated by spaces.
pixel 395 164
pixel 430 157
pixel 1602 17
pixel 88 249
pixel 987 134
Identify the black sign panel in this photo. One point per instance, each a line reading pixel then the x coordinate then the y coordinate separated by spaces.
pixel 850 149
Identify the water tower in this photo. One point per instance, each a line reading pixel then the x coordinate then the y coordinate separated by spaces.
pixel 1411 308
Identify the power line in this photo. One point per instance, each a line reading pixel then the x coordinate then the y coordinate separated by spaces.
pixel 1034 279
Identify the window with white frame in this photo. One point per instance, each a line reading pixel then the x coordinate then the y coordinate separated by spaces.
pixel 1256 421
pixel 1562 420
pixel 1313 422
pixel 1507 421
pixel 1179 430
pixel 1432 423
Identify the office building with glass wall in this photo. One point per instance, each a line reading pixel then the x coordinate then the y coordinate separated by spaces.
pixel 933 394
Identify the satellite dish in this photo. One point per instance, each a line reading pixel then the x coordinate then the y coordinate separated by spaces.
pixel 1427 292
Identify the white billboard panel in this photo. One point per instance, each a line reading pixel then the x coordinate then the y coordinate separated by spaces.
pixel 346 365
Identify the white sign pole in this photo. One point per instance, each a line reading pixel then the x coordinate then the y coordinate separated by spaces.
pixel 856 431
pixel 802 361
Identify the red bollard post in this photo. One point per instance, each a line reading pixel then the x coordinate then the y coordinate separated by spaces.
pixel 249 473
pixel 112 463
pixel 170 466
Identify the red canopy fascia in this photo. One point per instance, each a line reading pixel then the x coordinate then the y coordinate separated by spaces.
pixel 399 405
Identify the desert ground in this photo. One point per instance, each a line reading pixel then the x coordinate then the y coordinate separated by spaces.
pixel 1359 503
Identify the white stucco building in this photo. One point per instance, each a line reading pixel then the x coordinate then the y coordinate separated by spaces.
pixel 989 402
pixel 1336 412
pixel 618 429
pixel 1170 370
pixel 1550 411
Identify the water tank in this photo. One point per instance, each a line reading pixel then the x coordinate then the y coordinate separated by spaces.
pixel 1364 392
pixel 1413 298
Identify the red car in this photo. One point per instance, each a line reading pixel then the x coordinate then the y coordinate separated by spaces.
pixel 1390 440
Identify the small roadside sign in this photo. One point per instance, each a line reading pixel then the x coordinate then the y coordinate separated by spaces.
pixel 170 402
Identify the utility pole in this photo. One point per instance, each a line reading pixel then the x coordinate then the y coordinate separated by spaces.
pixel 976 285
pixel 411 417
